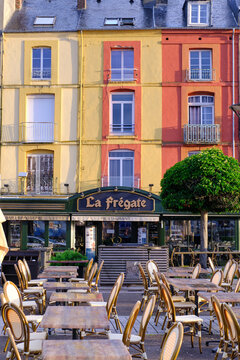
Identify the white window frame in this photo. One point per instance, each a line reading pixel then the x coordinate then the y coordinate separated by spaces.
pixel 122 69
pixel 40 131
pixel 39 187
pixel 201 104
pixel 199 4
pixel 200 70
pixel 41 69
pixel 121 159
pixel 122 102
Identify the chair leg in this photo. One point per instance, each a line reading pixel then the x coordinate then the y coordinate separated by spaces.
pixel 219 350
pixel 164 321
pixel 200 338
pixel 165 334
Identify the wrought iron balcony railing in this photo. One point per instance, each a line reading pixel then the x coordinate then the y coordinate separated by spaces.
pixel 122 129
pixel 201 134
pixel 200 74
pixel 131 181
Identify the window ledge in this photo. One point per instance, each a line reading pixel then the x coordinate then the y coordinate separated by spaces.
pixel 121 136
pixel 122 81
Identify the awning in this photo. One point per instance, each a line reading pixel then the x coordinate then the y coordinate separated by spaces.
pixel 146 218
pixel 31 217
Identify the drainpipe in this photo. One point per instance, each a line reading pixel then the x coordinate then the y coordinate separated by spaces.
pixel 1 97
pixel 233 93
pixel 80 118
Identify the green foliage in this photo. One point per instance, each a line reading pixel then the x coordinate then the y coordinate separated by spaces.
pixel 68 255
pixel 205 182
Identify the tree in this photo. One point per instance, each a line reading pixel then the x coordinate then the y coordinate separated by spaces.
pixel 203 183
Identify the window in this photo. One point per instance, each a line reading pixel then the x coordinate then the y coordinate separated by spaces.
pixel 40 118
pixel 41 63
pixel 199 13
pixel 119 21
pixel 191 153
pixel 111 21
pixel 122 65
pixel 40 173
pixel 122 114
pixel 201 110
pixel 201 65
pixel 44 21
pixel 121 168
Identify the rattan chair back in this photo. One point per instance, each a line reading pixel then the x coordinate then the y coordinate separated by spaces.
pixel 13 344
pixel 169 306
pixel 16 321
pixel 217 277
pixel 112 299
pixel 172 343
pixel 231 325
pixel 146 316
pixel 88 268
pixel 211 264
pixel 12 294
pixel 20 280
pixel 129 325
pixel 23 273
pixel 226 269
pixel 4 279
pixel 92 274
pixel 29 276
pixel 196 271
pixel 98 274
pixel 217 310
pixel 164 281
pixel 143 276
pixel 232 272
pixel 151 266
pixel 237 287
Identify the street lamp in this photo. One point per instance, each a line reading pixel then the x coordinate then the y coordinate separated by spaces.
pixel 236 109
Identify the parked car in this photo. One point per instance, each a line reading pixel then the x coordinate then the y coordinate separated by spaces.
pixel 35 242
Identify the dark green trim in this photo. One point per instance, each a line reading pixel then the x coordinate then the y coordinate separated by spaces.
pixel 68 234
pixel 237 234
pixel 24 234
pixel 46 233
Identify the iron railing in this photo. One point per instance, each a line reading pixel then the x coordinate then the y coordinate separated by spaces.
pixel 201 134
pixel 37 132
pixel 130 181
pixel 200 74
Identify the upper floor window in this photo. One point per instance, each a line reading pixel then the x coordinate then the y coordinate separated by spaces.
pixel 40 173
pixel 122 113
pixel 121 168
pixel 39 126
pixel 201 65
pixel 201 110
pixel 122 65
pixel 199 13
pixel 41 63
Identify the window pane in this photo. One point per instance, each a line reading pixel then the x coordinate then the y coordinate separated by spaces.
pixel 127 173
pixel 194 13
pixel 194 115
pixel 128 59
pixel 116 117
pixel 120 153
pixel 203 13
pixel 127 117
pixel 115 59
pixel 36 53
pixel 123 97
pixel 114 172
pixel 207 115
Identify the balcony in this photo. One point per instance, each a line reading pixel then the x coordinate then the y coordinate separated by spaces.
pixel 200 75
pixel 122 129
pixel 37 132
pixel 201 134
pixel 130 181
pixel 122 74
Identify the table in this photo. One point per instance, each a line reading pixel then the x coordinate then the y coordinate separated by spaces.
pixel 57 275
pixel 230 297
pixel 85 350
pixel 61 269
pixel 75 317
pixel 54 285
pixel 75 297
pixel 194 285
pixel 236 311
pixel 182 253
pixel 189 269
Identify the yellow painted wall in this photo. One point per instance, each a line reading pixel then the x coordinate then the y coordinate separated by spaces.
pixel 151 167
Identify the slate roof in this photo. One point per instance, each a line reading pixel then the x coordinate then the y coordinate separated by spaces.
pixel 68 18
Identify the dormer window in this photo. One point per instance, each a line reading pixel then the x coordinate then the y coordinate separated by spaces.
pixel 198 13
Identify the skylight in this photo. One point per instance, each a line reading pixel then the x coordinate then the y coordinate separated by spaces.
pixel 44 20
pixel 111 21
pixel 119 21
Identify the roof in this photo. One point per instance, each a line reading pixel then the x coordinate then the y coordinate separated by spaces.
pixel 68 18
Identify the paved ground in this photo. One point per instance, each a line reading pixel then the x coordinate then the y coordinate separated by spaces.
pixel 127 298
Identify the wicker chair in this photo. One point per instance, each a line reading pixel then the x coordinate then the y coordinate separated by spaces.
pixel 226 269
pixel 232 332
pixel 211 264
pixel 172 343
pixel 32 282
pixel 12 295
pixel 187 320
pixel 14 350
pixel 228 280
pixel 151 266
pixel 28 344
pixel 196 271
pixel 89 283
pixel 218 313
pixel 148 290
pixel 87 272
pixel 137 341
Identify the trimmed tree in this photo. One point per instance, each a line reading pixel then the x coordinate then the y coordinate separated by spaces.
pixel 203 183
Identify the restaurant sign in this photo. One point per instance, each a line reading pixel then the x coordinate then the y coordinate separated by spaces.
pixel 116 201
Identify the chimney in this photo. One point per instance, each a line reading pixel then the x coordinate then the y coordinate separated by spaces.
pixel 81 4
pixel 18 4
